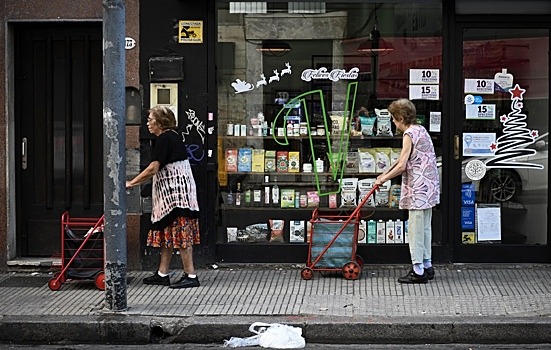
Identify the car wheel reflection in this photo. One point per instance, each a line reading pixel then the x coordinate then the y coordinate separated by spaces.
pixel 501 186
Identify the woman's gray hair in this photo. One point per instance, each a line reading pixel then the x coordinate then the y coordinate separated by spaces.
pixel 403 110
pixel 164 117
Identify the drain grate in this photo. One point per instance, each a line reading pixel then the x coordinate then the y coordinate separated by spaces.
pixel 25 281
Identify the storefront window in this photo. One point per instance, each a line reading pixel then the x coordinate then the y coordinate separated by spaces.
pixel 302 98
pixel 505 136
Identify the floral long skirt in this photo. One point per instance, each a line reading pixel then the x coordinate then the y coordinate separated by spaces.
pixel 183 232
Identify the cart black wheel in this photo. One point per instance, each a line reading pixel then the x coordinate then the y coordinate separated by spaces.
pixel 351 270
pixel 54 284
pixel 99 280
pixel 360 261
pixel 306 273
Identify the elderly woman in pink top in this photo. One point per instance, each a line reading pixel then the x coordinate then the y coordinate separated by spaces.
pixel 420 187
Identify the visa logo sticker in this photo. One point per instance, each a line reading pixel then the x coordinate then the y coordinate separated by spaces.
pixel 467 218
pixel 468 195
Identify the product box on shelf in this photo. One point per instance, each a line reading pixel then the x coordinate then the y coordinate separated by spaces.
pixel 313 199
pixel 287 198
pixel 371 232
pixel 270 161
pixel 362 232
pixel 364 187
pixel 296 231
pixel 382 195
pixel 390 234
pixel 366 160
pixel 382 159
pixel 394 196
pixel 399 230
pixel 294 162
pixel 381 232
pixel 332 200
pixel 351 164
pixel 282 161
pixel 231 160
pixel 348 192
pixel 244 159
pixel 232 234
pixel 258 160
pixel 394 155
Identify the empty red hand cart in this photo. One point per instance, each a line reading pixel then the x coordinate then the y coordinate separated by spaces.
pixel 82 251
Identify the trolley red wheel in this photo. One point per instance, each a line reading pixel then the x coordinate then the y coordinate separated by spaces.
pixel 351 270
pixel 99 280
pixel 63 278
pixel 360 261
pixel 306 273
pixel 54 284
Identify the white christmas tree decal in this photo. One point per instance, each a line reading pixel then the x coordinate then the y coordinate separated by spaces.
pixel 516 137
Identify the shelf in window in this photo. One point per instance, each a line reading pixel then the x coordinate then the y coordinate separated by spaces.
pixel 306 137
pixel 298 173
pixel 324 210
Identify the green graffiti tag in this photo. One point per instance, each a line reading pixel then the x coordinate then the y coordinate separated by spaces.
pixel 337 161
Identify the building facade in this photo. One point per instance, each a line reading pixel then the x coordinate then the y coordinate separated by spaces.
pixel 282 106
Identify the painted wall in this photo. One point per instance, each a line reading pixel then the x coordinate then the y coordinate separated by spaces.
pixel 159 37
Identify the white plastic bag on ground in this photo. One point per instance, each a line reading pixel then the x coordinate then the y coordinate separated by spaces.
pixel 270 335
pixel 236 342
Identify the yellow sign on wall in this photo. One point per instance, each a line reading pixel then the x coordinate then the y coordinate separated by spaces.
pixel 190 32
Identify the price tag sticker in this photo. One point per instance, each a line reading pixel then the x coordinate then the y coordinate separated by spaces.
pixel 479 86
pixel 424 76
pixel 424 92
pixel 481 112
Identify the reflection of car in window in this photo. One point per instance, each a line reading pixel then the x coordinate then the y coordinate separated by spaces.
pixel 502 185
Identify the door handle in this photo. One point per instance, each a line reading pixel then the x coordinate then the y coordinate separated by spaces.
pixel 24 153
pixel 456 147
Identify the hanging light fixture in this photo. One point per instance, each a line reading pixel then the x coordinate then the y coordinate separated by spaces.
pixel 276 48
pixel 375 44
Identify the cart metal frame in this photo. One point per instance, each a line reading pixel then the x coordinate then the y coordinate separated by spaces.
pixel 78 224
pixel 335 255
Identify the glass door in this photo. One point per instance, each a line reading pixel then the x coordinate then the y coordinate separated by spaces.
pixel 502 144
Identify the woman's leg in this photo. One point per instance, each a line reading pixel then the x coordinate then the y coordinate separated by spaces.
pixel 187 259
pixel 427 234
pixel 415 234
pixel 166 257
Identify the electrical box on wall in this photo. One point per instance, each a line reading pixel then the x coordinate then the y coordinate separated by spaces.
pixel 165 94
pixel 166 69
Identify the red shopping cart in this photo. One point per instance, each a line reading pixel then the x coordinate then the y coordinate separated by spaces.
pixel 82 251
pixel 333 243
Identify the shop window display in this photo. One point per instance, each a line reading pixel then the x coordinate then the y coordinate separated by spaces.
pixel 302 114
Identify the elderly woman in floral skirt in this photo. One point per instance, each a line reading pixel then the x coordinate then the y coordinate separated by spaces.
pixel 175 212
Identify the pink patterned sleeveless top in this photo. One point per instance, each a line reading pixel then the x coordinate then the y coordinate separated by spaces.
pixel 420 181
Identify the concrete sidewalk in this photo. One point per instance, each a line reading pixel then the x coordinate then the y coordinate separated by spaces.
pixel 463 304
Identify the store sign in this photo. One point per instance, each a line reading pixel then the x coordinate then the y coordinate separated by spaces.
pixel 481 112
pixel 190 32
pixel 129 43
pixel 479 86
pixel 424 76
pixel 477 144
pixel 424 92
pixel 334 75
